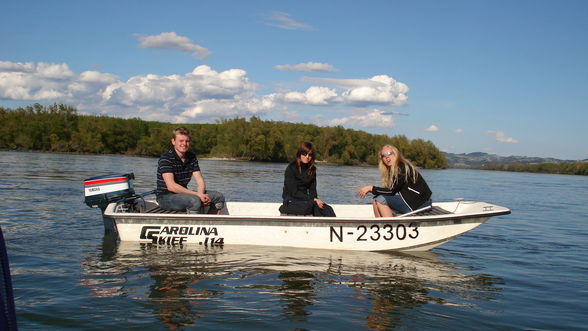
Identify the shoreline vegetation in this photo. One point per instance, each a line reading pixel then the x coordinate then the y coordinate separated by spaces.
pixel 562 168
pixel 58 128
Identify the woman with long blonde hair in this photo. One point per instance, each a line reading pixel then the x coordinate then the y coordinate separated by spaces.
pixel 403 188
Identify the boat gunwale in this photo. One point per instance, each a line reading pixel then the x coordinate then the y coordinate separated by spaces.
pixel 151 217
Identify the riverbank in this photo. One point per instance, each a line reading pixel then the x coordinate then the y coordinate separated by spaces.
pixel 579 168
pixel 58 128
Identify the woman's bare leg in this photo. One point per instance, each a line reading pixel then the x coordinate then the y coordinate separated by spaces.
pixel 383 210
pixel 376 211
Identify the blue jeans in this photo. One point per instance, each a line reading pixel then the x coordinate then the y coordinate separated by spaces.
pixel 191 203
pixel 397 203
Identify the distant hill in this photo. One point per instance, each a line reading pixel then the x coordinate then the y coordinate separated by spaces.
pixel 477 159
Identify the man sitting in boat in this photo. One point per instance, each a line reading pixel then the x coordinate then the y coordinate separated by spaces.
pixel 174 170
pixel 404 189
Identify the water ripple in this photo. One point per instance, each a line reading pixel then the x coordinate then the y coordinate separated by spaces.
pixel 520 271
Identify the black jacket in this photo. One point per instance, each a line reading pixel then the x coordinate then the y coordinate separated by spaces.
pixel 414 193
pixel 299 186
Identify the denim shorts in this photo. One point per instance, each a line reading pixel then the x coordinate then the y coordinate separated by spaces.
pixel 397 203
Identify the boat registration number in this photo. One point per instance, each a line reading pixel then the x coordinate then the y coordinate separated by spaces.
pixel 376 232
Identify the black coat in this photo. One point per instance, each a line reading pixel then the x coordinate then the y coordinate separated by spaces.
pixel 299 186
pixel 414 193
pixel 299 193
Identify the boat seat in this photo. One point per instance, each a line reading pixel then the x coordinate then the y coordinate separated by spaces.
pixel 157 210
pixel 415 211
pixel 427 211
pixel 153 208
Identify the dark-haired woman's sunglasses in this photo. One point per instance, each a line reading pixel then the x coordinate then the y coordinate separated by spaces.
pixel 307 154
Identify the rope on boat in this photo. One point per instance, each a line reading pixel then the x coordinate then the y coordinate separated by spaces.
pixel 459 200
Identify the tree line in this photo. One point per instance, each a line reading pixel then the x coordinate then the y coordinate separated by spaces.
pixel 564 168
pixel 59 128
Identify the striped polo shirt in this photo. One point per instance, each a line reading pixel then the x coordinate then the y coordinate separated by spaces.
pixel 171 162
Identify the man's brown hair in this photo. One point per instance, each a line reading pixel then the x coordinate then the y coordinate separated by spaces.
pixel 181 130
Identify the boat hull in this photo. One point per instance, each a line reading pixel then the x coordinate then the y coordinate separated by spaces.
pixel 356 231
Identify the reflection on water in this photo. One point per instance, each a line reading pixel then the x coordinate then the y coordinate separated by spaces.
pixel 297 290
pixel 186 283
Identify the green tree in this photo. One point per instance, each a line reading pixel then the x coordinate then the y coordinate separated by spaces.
pixel 59 128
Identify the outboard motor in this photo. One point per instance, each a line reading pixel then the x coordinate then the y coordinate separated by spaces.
pixel 99 191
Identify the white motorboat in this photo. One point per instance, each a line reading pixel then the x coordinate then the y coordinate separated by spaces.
pixel 260 223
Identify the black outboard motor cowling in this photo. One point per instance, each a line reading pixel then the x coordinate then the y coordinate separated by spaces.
pixel 99 191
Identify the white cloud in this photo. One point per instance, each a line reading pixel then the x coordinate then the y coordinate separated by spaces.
pixel 89 83
pixel 432 128
pixel 314 95
pixel 54 71
pixel 457 130
pixel 202 83
pixel 501 137
pixel 283 20
pixel 170 40
pixel 95 77
pixel 34 81
pixel 307 67
pixel 372 119
pixel 41 69
pixel 342 83
pixel 202 95
pixel 377 90
pixel 7 66
pixel 238 106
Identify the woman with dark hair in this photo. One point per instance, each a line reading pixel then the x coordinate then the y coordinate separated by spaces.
pixel 299 194
pixel 403 188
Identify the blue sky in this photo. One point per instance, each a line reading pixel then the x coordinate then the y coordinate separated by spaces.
pixel 503 77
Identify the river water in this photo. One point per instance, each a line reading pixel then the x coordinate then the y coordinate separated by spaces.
pixel 526 270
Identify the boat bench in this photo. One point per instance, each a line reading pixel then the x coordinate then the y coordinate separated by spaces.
pixel 152 208
pixel 427 211
pixel 158 210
